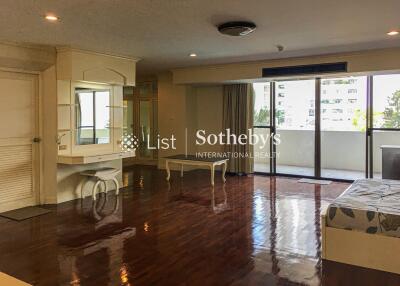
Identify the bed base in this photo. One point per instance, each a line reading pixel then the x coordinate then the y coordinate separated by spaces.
pixel 361 249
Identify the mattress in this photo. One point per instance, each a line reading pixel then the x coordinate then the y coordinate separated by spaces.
pixel 368 205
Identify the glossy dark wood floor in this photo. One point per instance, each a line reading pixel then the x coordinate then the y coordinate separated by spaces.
pixel 254 231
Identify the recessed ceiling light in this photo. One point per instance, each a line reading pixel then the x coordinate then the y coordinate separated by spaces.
pixel 51 18
pixel 192 55
pixel 393 33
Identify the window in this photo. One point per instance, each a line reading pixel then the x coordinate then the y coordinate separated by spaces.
pixel 335 93
pixel 92 118
pixel 344 139
pixel 295 106
pixel 261 104
pixel 386 107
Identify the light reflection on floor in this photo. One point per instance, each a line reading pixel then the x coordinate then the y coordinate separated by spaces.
pixel 255 230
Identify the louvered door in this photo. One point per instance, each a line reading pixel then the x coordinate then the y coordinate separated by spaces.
pixel 18 153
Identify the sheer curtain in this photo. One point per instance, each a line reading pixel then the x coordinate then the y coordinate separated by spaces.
pixel 238 117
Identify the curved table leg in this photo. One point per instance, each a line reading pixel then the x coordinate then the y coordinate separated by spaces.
pixel 95 189
pixel 224 166
pixel 212 167
pixel 168 171
pixel 116 186
pixel 81 185
pixel 105 189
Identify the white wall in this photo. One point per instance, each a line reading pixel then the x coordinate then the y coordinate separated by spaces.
pixel 358 62
pixel 49 146
pixel 173 114
pixel 209 113
pixel 184 107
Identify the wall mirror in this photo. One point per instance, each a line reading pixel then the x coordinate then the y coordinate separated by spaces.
pixel 92 116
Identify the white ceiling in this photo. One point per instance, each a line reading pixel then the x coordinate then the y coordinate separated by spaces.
pixel 164 32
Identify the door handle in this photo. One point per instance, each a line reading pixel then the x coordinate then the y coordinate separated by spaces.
pixel 37 140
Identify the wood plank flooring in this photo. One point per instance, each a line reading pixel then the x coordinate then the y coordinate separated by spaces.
pixel 255 230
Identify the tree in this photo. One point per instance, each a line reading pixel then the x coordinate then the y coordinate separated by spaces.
pixel 391 115
pixel 360 117
pixel 280 116
pixel 261 117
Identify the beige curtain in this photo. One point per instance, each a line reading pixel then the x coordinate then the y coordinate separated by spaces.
pixel 238 117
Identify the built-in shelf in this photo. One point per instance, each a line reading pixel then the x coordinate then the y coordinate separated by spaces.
pixel 78 159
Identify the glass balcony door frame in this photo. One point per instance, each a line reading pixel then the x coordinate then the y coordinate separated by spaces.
pixel 271 127
pixel 369 168
pixel 369 134
pixel 317 132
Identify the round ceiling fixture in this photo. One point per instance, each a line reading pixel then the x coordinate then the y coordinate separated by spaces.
pixel 237 28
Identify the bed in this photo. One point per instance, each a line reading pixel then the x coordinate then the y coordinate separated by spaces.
pixel 362 226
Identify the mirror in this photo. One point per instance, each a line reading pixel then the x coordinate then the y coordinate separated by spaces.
pixel 92 116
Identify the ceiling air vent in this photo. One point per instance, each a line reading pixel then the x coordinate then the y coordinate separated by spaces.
pixel 236 28
pixel 305 69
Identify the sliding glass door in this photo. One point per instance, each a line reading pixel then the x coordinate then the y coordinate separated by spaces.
pixel 343 127
pixel 334 127
pixel 385 120
pixel 295 126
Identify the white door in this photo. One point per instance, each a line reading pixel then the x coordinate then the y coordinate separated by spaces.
pixel 18 153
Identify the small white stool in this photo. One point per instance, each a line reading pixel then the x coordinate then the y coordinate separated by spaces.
pixel 102 176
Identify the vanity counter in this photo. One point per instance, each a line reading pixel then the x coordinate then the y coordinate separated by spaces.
pixel 77 159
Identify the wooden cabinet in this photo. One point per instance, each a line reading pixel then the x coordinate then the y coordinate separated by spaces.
pixel 78 69
pixel 78 65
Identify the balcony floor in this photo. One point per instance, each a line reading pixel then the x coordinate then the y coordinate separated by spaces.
pixel 307 171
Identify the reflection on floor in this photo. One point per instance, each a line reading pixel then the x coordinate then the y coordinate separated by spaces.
pixel 254 231
pixel 307 171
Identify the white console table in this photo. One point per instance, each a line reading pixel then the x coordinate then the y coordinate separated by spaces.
pixel 77 159
pixel 194 161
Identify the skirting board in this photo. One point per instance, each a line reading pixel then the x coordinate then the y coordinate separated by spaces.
pixel 361 249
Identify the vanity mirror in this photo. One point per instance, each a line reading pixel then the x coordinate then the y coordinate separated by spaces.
pixel 92 116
